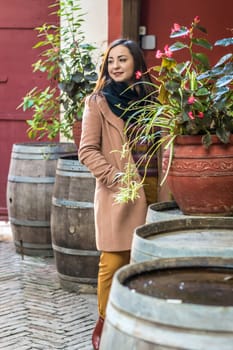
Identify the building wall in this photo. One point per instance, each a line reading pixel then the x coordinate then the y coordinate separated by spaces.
pixel 95 26
pixel 18 18
pixel 160 15
pixel 95 29
pixel 114 19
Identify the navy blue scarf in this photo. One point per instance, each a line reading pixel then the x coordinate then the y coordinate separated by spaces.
pixel 119 97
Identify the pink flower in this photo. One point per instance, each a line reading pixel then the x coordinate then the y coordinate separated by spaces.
pixel 196 19
pixel 201 115
pixel 176 28
pixel 138 75
pixel 158 54
pixel 167 51
pixel 191 100
pixel 191 116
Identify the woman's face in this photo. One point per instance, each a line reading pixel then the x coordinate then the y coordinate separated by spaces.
pixel 120 64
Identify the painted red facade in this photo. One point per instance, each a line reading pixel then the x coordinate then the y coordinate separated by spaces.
pixel 18 18
pixel 158 17
pixel 114 19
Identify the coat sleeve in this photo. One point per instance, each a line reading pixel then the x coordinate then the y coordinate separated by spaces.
pixel 89 152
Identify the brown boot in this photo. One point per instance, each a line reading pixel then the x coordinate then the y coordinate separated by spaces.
pixel 97 333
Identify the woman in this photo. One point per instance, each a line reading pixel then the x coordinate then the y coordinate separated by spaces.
pixel 103 135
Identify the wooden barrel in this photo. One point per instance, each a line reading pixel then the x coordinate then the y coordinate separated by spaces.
pixel 183 303
pixel 163 210
pixel 72 226
pixel 183 237
pixel 29 194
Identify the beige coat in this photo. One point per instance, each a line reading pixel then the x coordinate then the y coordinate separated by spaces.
pixel 102 136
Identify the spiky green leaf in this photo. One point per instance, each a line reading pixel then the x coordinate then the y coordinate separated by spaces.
pixel 202 42
pixel 182 32
pixel 223 59
pixel 224 80
pixel 202 58
pixel 178 46
pixel 224 42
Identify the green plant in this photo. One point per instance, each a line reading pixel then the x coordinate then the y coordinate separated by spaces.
pixel 192 97
pixel 67 61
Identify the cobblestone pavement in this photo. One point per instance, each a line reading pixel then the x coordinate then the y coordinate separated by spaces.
pixel 35 313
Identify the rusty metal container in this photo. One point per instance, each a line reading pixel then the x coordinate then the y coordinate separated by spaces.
pixel 163 210
pixel 184 236
pixel 180 303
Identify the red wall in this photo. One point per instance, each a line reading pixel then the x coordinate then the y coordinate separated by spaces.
pixel 114 19
pixel 159 15
pixel 18 18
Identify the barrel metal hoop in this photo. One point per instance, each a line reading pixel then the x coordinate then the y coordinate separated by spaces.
pixel 29 223
pixel 31 179
pixel 33 246
pixel 83 174
pixel 81 252
pixel 43 156
pixel 77 279
pixel 60 202
pixel 44 148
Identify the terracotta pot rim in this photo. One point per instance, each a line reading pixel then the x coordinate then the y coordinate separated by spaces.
pixel 196 139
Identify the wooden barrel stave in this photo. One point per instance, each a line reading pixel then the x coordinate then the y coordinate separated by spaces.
pixel 73 229
pixel 30 184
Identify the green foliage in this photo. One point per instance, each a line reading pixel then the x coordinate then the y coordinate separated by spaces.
pixel 192 98
pixel 69 69
pixel 198 97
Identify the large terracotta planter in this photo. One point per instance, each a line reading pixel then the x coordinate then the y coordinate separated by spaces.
pixel 200 179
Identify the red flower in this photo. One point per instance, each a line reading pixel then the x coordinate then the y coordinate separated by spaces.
pixel 201 115
pixel 196 19
pixel 138 75
pixel 158 54
pixel 191 116
pixel 191 100
pixel 167 51
pixel 176 28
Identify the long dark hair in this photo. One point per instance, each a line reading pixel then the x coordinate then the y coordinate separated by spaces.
pixel 139 65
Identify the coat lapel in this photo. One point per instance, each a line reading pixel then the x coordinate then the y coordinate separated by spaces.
pixel 109 115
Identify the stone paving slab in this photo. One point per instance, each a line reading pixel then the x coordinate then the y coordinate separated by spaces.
pixel 35 312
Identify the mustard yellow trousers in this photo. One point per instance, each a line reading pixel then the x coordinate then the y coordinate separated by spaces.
pixel 109 263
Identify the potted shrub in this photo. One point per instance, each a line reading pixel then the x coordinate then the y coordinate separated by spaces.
pixel 193 98
pixel 67 61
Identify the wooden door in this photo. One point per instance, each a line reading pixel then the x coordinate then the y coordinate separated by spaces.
pixel 124 19
pixel 18 18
